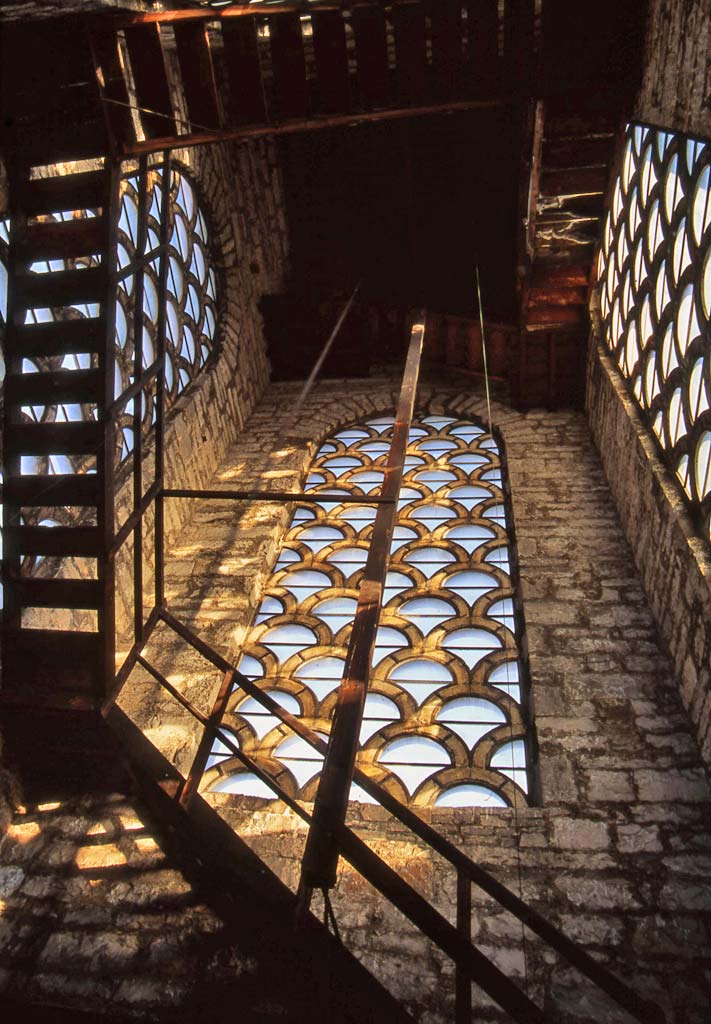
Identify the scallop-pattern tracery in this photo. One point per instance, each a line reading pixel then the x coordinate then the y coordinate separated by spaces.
pixel 654 280
pixel 445 717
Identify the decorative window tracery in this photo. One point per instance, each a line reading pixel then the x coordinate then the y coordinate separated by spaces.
pixel 654 282
pixel 191 313
pixel 445 719
pixel 191 318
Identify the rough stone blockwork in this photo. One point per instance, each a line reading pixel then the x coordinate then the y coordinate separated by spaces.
pixel 677 78
pixel 671 558
pixel 619 852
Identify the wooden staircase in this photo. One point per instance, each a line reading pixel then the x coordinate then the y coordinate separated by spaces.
pixel 57 634
pixel 571 153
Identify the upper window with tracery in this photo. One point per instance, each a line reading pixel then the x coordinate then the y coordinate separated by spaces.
pixel 190 308
pixel 191 298
pixel 191 294
pixel 446 715
pixel 654 275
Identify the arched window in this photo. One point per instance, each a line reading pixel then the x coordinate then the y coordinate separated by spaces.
pixel 190 315
pixel 654 280
pixel 191 298
pixel 191 290
pixel 445 718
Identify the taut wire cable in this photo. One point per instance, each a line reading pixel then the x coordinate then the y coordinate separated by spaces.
pixel 517 825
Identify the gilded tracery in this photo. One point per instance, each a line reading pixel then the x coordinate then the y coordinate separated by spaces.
pixel 445 717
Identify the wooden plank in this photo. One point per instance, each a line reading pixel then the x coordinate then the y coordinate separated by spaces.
pixel 482 61
pixel 81 191
pixel 552 316
pixel 62 490
pixel 549 294
pixel 61 287
pixel 315 124
pixel 579 151
pixel 240 10
pixel 573 181
pixel 51 387
pixel 61 541
pixel 447 47
pixel 288 66
pixel 368 21
pixel 410 50
pixel 56 593
pixel 241 54
pixel 112 83
pixel 329 36
pixel 321 856
pixel 57 337
pixel 560 274
pixel 53 438
pixel 150 77
pixel 197 74
pixel 62 239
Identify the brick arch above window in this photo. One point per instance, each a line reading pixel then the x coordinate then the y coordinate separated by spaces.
pixel 446 719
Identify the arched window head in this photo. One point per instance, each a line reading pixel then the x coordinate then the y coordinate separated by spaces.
pixel 654 283
pixel 445 719
pixel 191 288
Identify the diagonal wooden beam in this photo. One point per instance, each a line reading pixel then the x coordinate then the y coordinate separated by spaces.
pixel 318 868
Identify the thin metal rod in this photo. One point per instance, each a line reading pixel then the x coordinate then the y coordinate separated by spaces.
pixel 468 960
pixel 310 497
pixel 320 860
pixel 137 420
pixel 197 768
pixel 243 10
pixel 106 454
pixel 138 385
pixel 308 124
pixel 160 396
pixel 135 516
pixel 130 661
pixel 483 347
pixel 325 350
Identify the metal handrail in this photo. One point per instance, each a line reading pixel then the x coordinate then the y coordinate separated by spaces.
pixel 641 1009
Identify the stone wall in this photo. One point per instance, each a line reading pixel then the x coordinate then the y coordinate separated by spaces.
pixel 672 559
pixel 618 853
pixel 676 89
